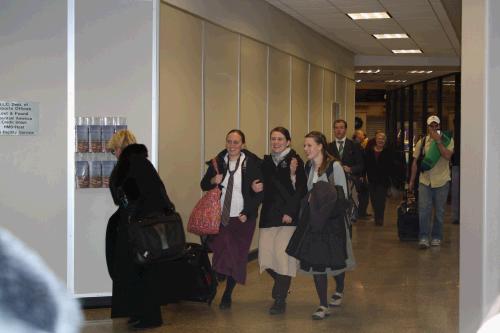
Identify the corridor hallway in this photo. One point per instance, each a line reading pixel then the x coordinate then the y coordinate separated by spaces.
pixel 395 288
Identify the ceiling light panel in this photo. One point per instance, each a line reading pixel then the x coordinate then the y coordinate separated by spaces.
pixel 395 81
pixel 368 71
pixel 406 51
pixel 419 72
pixel 369 16
pixel 390 36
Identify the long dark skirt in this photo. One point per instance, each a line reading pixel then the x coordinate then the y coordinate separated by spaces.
pixel 231 246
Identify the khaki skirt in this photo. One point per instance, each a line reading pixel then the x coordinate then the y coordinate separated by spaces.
pixel 272 245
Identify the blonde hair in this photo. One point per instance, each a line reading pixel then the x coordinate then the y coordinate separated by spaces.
pixel 121 139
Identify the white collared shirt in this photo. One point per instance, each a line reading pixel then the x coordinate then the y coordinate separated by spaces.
pixel 237 202
pixel 337 142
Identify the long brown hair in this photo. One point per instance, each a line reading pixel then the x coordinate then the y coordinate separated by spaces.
pixel 320 138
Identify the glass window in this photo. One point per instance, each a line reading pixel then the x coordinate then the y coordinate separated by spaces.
pixel 432 91
pixel 448 116
pixel 418 111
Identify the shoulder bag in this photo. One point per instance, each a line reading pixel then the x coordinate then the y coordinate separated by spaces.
pixel 206 215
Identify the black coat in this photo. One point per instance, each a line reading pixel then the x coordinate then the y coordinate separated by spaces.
pixel 251 170
pixel 280 196
pixel 138 190
pixel 319 241
pixel 379 171
pixel 351 157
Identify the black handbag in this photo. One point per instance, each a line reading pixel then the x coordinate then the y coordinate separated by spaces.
pixel 158 237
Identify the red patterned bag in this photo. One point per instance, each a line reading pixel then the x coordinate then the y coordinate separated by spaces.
pixel 206 215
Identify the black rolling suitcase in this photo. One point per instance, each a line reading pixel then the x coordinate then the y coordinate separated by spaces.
pixel 408 224
pixel 189 278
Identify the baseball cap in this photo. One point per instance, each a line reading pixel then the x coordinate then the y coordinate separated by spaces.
pixel 433 119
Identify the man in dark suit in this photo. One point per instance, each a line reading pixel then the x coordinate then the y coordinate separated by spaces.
pixel 347 151
pixel 350 155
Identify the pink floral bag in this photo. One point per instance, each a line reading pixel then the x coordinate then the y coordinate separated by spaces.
pixel 206 215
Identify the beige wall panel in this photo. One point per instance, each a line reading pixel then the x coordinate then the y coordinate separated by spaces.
pixel 221 86
pixel 279 89
pixel 253 87
pixel 328 97
pixel 299 104
pixel 340 95
pixel 180 108
pixel 315 100
pixel 253 78
pixel 350 105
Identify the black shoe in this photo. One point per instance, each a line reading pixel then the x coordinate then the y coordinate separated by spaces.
pixel 132 320
pixel 141 325
pixel 278 307
pixel 364 216
pixel 225 303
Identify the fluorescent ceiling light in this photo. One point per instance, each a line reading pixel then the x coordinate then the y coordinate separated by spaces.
pixel 395 81
pixel 419 72
pixel 368 16
pixel 390 36
pixel 406 51
pixel 368 71
pixel 358 81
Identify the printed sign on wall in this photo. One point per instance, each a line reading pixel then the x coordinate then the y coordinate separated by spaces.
pixel 18 118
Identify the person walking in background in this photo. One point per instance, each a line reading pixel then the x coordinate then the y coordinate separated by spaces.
pixel 284 187
pixel 363 192
pixel 379 167
pixel 138 191
pixel 361 138
pixel 239 170
pixel 433 186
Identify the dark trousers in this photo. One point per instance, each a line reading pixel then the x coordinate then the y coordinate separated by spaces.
pixel 378 193
pixel 364 197
pixel 281 284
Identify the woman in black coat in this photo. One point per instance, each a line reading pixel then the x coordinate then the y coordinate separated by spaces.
pixel 284 187
pixel 138 191
pixel 379 167
pixel 238 169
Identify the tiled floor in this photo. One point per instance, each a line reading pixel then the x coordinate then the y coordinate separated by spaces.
pixel 395 288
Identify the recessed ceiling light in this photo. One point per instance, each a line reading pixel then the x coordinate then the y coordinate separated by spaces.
pixel 369 16
pixel 406 51
pixel 419 72
pixel 368 71
pixel 395 81
pixel 390 36
pixel 358 81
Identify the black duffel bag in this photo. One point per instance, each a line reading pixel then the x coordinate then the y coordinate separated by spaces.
pixel 157 237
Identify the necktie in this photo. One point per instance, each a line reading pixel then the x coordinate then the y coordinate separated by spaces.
pixel 341 148
pixel 226 208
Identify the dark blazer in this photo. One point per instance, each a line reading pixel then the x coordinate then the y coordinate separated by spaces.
pixel 280 196
pixel 251 170
pixel 379 171
pixel 352 156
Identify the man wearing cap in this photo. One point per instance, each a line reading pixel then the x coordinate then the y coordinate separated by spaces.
pixel 434 183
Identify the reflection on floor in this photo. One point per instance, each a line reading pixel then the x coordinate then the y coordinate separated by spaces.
pixel 395 288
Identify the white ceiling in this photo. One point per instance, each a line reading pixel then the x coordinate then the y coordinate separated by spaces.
pixel 430 24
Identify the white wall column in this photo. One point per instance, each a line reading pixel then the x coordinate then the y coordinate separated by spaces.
pixel 480 164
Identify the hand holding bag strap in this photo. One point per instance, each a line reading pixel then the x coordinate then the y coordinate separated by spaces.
pixel 216 168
